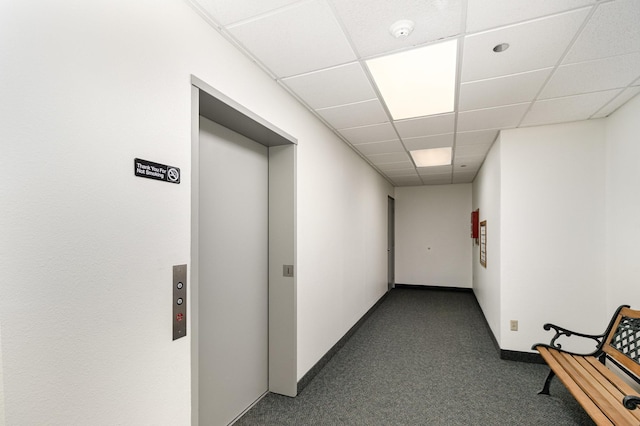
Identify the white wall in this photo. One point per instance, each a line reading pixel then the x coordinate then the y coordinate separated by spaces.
pixel 87 248
pixel 623 207
pixel 486 197
pixel 342 252
pixel 549 203
pixel 569 229
pixel 433 243
pixel 552 230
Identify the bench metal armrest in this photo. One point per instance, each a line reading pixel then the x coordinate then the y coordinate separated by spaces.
pixel 561 331
pixel 598 338
pixel 631 401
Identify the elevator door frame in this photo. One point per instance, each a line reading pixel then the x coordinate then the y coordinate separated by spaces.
pixel 212 104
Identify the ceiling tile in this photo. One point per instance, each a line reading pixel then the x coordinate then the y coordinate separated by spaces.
pixel 571 108
pixel 472 150
pixel 507 90
pixel 616 103
pixel 396 165
pixel 368 22
pixel 226 12
pixel 492 118
pixel 485 14
pixel 353 115
pixel 426 142
pixel 437 170
pixel 394 157
pixel 468 164
pixel 406 180
pixel 471 138
pixel 470 171
pixel 593 76
pixel 401 172
pixel 426 126
pixel 333 86
pixel 300 39
pixel 473 161
pixel 466 168
pixel 366 134
pixel 464 177
pixel 437 179
pixel 380 147
pixel 597 40
pixel 533 45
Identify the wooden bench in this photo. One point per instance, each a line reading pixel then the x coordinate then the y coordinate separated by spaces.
pixel 600 391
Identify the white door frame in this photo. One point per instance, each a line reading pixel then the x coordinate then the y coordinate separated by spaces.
pixel 210 103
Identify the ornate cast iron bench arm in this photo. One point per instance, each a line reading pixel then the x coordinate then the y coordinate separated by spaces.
pixel 597 338
pixel 561 331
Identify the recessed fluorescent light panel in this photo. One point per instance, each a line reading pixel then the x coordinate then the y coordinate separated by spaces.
pixel 417 82
pixel 432 157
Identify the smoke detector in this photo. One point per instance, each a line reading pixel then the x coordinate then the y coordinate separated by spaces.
pixel 402 28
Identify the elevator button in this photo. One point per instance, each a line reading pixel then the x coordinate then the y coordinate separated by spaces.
pixel 180 285
pixel 180 301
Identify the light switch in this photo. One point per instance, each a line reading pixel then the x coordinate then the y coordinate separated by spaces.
pixel 179 301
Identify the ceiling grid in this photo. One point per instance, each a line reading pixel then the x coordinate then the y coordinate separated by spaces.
pixel 567 60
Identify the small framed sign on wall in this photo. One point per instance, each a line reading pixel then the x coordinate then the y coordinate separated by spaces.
pixel 483 243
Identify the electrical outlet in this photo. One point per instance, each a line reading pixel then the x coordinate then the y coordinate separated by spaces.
pixel 514 325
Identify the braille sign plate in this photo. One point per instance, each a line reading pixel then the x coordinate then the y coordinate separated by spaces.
pixel 151 170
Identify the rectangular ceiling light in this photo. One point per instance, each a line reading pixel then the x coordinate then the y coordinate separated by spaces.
pixel 432 157
pixel 417 82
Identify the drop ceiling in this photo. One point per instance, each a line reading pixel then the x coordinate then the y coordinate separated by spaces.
pixel 568 60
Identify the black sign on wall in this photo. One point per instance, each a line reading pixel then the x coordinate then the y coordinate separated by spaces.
pixel 157 171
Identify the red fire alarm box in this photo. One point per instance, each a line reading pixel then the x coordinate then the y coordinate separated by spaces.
pixel 475 224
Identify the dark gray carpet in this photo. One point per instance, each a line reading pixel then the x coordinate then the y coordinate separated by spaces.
pixel 424 357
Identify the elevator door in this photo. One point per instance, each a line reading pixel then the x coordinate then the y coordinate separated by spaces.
pixel 233 273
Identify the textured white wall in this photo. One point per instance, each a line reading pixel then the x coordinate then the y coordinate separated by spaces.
pixel 569 228
pixel 342 243
pixel 552 230
pixel 486 197
pixel 433 243
pixel 543 198
pixel 87 248
pixel 623 206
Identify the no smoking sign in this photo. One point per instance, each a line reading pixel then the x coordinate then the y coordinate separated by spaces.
pixel 150 170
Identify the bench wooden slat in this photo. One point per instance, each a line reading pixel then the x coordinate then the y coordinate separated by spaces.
pixel 600 379
pixel 612 381
pixel 607 397
pixel 589 406
pixel 591 391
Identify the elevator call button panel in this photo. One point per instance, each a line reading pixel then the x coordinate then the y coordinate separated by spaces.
pixel 179 301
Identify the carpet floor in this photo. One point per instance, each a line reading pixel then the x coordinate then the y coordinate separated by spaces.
pixel 423 357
